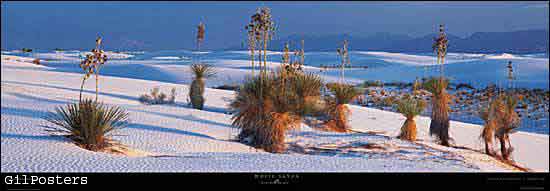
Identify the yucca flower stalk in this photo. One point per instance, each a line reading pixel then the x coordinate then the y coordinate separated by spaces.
pixel 410 108
pixel 343 53
pixel 92 65
pixel 265 29
pixel 196 90
pixel 253 38
pixel 200 35
pixel 440 47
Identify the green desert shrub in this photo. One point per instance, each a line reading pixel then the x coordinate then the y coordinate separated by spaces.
pixel 196 91
pixel 87 123
pixel 410 108
pixel 336 108
pixel 157 97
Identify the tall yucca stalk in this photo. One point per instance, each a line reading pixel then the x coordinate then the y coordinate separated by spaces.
pixel 265 26
pixel 344 56
pixel 440 47
pixel 92 65
pixel 200 34
pixel 410 108
pixel 253 38
pixel 336 107
pixel 196 91
pixel 439 125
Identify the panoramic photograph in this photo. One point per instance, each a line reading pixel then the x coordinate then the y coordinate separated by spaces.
pixel 272 87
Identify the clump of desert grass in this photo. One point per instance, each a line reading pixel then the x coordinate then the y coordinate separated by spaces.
pixel 500 120
pixel 89 124
pixel 157 97
pixel 410 108
pixel 336 108
pixel 266 107
pixel 196 90
pixel 439 125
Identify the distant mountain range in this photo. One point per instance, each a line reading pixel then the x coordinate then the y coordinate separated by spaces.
pixel 527 41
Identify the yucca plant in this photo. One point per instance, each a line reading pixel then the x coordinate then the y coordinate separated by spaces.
pixel 261 113
pixel 508 120
pixel 500 120
pixel 487 114
pixel 264 112
pixel 196 91
pixel 410 108
pixel 87 123
pixel 439 125
pixel 336 108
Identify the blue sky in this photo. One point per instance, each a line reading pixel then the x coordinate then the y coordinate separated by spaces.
pixel 172 24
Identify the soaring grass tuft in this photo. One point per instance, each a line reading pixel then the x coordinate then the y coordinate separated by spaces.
pixel 87 123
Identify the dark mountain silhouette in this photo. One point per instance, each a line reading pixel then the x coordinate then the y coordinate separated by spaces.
pixel 526 41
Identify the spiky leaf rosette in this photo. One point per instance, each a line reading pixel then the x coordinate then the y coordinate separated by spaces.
pixel 87 123
pixel 201 70
pixel 410 107
pixel 344 93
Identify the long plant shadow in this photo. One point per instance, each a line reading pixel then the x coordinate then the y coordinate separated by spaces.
pixel 23 112
pixel 206 108
pixel 24 96
pixel 33 137
pixel 74 89
pixel 185 117
pixel 167 130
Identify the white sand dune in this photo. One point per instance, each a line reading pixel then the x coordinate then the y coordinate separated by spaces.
pixel 188 140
